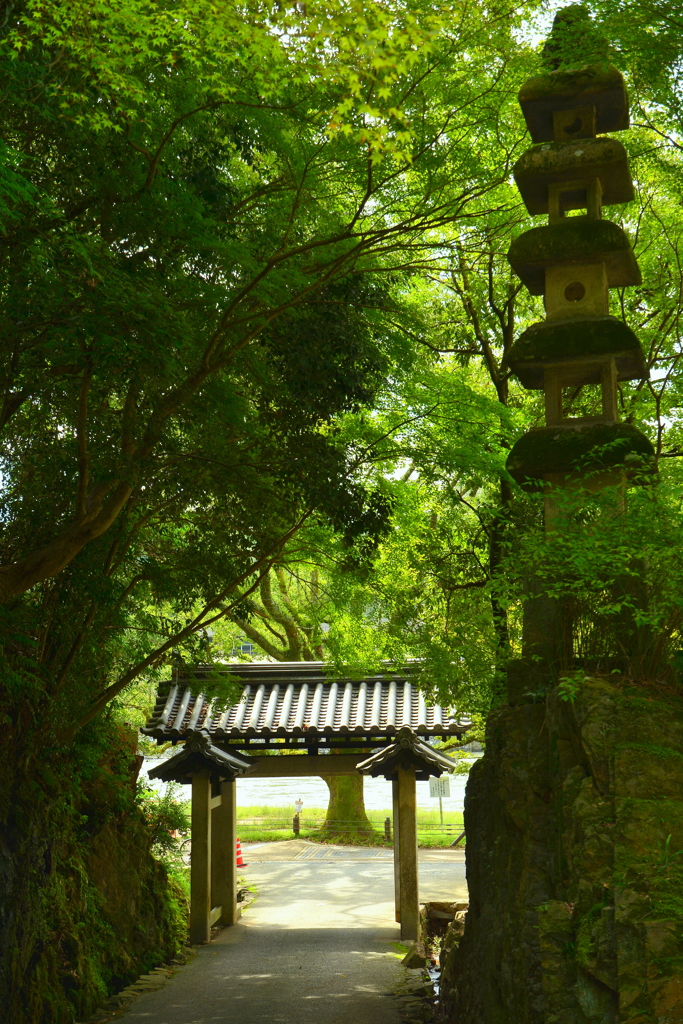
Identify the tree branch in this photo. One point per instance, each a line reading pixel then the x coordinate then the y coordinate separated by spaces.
pixel 20 576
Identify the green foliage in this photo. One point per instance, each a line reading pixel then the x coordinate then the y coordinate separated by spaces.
pixel 217 222
pixel 164 816
pixel 617 572
pixel 569 687
pixel 257 318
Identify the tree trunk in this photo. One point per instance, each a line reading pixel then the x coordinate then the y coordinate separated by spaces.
pixel 346 810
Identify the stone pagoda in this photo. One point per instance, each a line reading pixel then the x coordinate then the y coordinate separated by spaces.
pixel 573 261
pixel 579 351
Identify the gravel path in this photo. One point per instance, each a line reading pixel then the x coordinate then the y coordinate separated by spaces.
pixel 314 948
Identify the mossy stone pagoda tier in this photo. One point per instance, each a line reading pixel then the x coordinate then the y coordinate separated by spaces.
pixel 573 261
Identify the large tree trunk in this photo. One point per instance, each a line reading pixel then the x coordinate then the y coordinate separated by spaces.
pixel 346 810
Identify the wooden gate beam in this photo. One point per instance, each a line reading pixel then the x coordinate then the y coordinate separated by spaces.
pixel 304 766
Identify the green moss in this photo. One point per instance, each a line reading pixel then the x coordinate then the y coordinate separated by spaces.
pixel 593 85
pixel 569 339
pixel 588 157
pixel 557 341
pixel 583 85
pixel 589 931
pixel 667 901
pixel 650 833
pixel 653 750
pixel 542 165
pixel 630 700
pixel 573 240
pixel 584 449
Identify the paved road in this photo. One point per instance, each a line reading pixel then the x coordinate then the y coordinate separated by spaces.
pixel 315 948
pixel 302 849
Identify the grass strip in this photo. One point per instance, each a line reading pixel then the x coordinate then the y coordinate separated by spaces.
pixel 266 824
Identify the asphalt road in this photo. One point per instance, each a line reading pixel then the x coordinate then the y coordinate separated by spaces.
pixel 314 948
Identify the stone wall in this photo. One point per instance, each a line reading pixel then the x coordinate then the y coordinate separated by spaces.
pixel 574 821
pixel 84 906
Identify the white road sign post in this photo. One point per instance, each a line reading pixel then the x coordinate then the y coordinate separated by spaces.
pixel 441 788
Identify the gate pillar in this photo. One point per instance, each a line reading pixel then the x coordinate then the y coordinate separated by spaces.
pixel 409 904
pixel 200 866
pixel 403 762
pixel 397 851
pixel 223 860
pixel 213 870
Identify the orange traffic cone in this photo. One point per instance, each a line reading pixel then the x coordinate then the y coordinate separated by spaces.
pixel 240 862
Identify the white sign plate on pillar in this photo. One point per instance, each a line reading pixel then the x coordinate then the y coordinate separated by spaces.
pixel 440 787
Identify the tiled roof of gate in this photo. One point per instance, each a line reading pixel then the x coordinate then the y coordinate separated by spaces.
pixel 407 749
pixel 199 754
pixel 300 699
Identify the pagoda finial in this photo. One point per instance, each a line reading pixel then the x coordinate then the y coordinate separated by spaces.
pixel 574 41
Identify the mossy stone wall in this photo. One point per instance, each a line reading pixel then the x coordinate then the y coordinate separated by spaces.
pixel 84 906
pixel 574 822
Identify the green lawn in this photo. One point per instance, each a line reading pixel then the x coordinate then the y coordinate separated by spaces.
pixel 269 824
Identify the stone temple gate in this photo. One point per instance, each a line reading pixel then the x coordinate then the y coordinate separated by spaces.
pixel 297 706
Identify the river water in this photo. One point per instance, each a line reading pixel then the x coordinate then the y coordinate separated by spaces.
pixel 314 792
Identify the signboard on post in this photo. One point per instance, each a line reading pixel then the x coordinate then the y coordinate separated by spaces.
pixel 440 787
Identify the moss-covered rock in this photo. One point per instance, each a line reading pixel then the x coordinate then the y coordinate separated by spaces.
pixel 580 450
pixel 551 162
pixel 85 908
pixel 574 864
pixel 573 241
pixel 552 343
pixel 493 975
pixel 598 85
